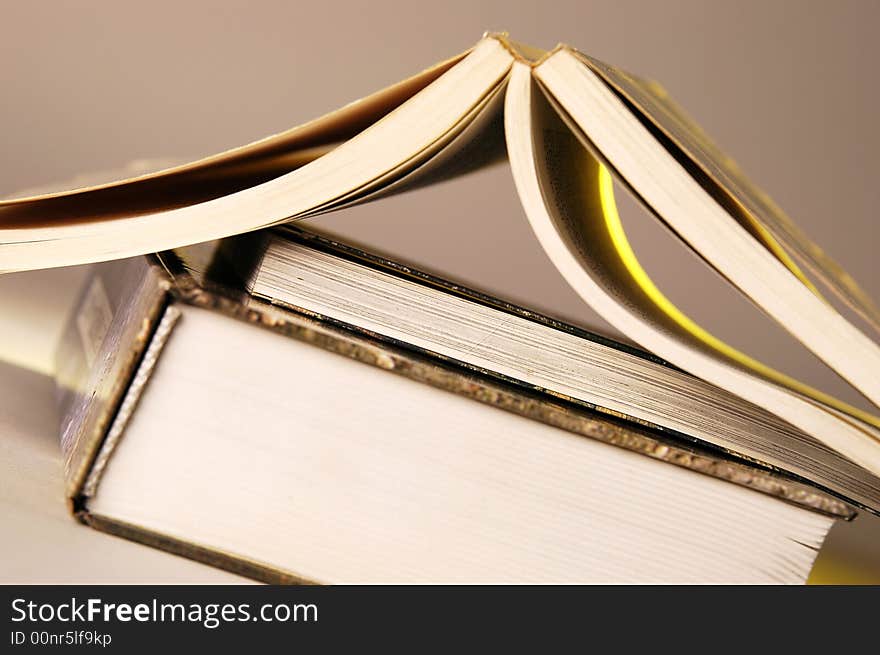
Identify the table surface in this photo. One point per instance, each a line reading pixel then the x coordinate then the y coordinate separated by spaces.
pixel 41 542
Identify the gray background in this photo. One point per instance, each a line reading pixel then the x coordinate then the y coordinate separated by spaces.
pixel 787 88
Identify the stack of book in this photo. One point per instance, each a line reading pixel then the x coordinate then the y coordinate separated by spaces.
pixel 296 409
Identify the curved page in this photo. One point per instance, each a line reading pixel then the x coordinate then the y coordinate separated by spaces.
pixel 569 221
pixel 750 206
pixel 675 196
pixel 279 153
pixel 397 138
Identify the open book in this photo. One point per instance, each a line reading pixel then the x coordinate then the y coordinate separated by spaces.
pixel 571 125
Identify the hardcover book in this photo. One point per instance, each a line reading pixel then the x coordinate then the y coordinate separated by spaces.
pixel 294 409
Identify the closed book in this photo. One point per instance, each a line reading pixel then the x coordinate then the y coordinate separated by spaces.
pixel 294 409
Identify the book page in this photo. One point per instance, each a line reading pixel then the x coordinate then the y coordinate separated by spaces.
pixel 678 199
pixel 721 175
pixel 118 222
pixel 136 192
pixel 568 197
pixel 476 142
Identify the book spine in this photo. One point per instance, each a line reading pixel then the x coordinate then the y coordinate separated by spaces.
pixel 100 349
